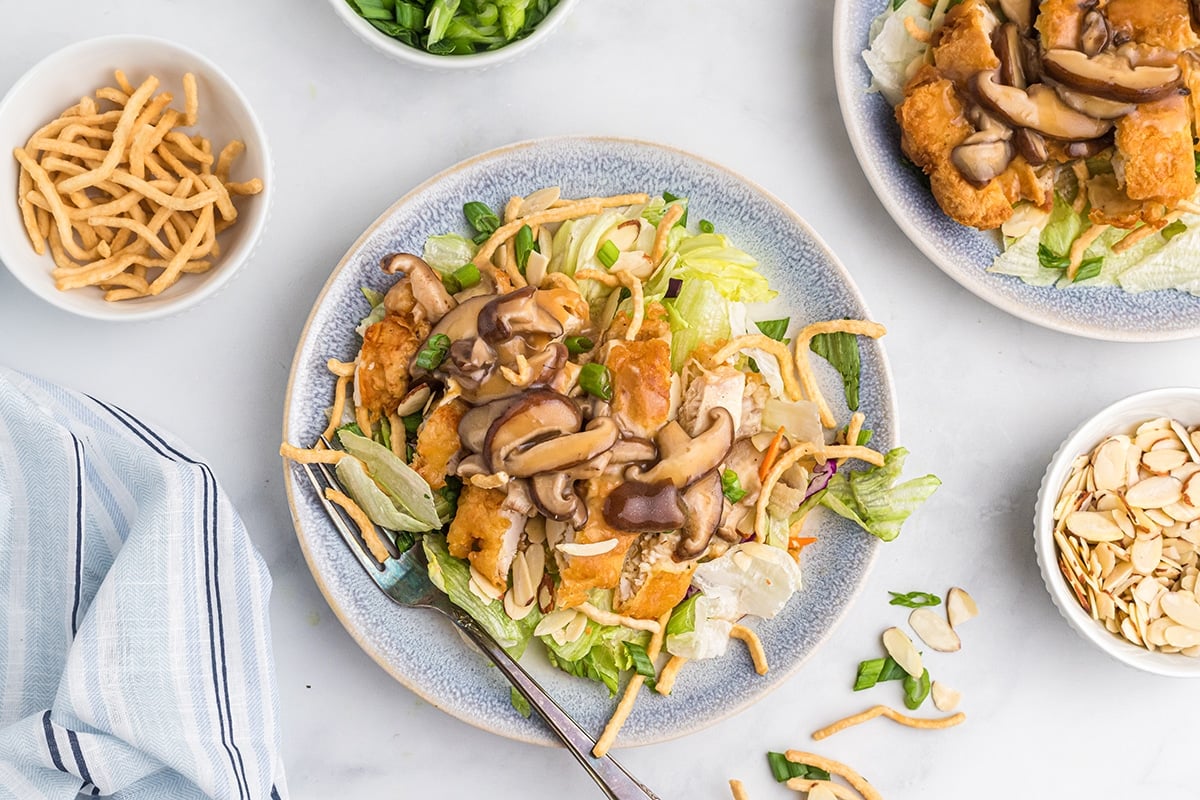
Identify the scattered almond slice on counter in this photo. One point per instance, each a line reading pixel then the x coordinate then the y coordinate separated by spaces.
pixel 944 698
pixel 902 651
pixel 960 607
pixel 934 630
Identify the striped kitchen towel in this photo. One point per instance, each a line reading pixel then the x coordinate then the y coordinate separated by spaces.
pixel 135 656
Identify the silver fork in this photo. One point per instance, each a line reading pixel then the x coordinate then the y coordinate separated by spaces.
pixel 404 578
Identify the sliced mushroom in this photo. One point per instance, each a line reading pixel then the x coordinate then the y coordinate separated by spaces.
pixel 633 450
pixel 562 451
pixel 516 314
pixel 427 286
pixel 1039 108
pixel 1093 106
pixel 554 495
pixel 1088 148
pixel 980 162
pixel 1007 44
pixel 644 507
pixel 1019 11
pixel 1111 75
pixel 463 321
pixel 535 416
pixel 1096 33
pixel 471 361
pixel 685 459
pixel 703 502
pixel 474 425
pixel 1032 146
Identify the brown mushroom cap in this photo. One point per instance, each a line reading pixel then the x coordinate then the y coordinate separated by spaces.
pixel 1111 75
pixel 633 450
pixel 554 495
pixel 1006 42
pixel 427 286
pixel 463 321
pixel 560 452
pixel 1093 106
pixel 474 425
pixel 685 459
pixel 704 502
pixel 537 415
pixel 1096 33
pixel 1038 108
pixel 1019 11
pixel 644 507
pixel 517 314
pixel 980 162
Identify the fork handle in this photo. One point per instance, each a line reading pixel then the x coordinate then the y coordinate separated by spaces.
pixel 610 776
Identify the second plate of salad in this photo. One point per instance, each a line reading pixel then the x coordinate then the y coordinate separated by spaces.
pixel 623 399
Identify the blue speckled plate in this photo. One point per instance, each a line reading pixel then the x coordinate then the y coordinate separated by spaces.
pixel 419 648
pixel 965 253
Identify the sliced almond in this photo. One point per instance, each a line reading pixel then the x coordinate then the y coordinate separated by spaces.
pixel 934 630
pixel 555 621
pixel 1154 492
pixel 1109 463
pixel 591 549
pixel 514 610
pixel 1146 554
pixel 902 651
pixel 1182 636
pixel 539 201
pixel 1186 441
pixel 1162 462
pixel 1183 608
pixel 524 589
pixel 1095 526
pixel 960 607
pixel 820 791
pixel 1184 512
pixel 1191 491
pixel 1156 631
pixel 482 588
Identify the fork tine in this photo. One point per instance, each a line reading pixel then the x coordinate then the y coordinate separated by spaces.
pixel 344 525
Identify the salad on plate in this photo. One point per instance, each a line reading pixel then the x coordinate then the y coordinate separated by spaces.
pixel 582 415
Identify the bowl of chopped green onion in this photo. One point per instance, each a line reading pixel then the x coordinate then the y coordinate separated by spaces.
pixel 455 34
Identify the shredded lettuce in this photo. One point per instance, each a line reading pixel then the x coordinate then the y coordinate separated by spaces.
pixel 448 252
pixel 599 654
pixel 696 631
pixel 408 490
pixel 352 474
pixel 452 576
pixel 893 50
pixel 840 349
pixel 872 500
pixel 706 315
pixel 732 271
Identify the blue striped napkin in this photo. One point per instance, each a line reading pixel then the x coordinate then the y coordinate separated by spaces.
pixel 135 655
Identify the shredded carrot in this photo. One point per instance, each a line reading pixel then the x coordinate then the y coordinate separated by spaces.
pixel 769 457
pixel 798 543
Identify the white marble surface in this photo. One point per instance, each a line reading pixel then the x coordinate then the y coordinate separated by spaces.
pixel 985 399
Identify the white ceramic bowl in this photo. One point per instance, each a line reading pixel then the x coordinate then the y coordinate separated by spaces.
pixel 1180 403
pixel 59 81
pixel 403 52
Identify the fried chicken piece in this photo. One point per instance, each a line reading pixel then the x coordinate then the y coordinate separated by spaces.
pixel 652 581
pixel 1158 23
pixel 486 532
pixel 932 123
pixel 580 574
pixel 381 378
pixel 1154 152
pixel 438 443
pixel 964 46
pixel 1060 22
pixel 643 384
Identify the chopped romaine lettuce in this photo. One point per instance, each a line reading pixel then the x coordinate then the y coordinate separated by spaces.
pixel 599 654
pixel 872 500
pixel 840 349
pixel 706 313
pixel 408 490
pixel 352 474
pixel 448 252
pixel 452 576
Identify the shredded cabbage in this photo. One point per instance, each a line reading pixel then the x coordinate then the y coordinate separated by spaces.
pixel 448 252
pixel 408 490
pixel 872 500
pixel 894 51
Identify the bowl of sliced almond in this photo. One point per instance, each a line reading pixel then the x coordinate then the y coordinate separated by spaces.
pixel 1117 530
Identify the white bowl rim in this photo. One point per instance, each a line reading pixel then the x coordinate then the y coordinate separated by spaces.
pixel 108 312
pixel 1081 440
pixel 401 51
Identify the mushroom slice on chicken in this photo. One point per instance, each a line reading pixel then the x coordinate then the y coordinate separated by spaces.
pixel 486 532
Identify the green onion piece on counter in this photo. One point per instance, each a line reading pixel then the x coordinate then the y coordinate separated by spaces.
pixel 467 276
pixel 481 218
pixel 642 664
pixel 914 599
pixel 916 690
pixel 578 344
pixel 784 770
pixel 775 328
pixel 434 352
pixel 596 380
pixel 706 226
pixel 523 246
pixel 731 485
pixel 519 702
pixel 840 349
pixel 877 670
pixel 608 254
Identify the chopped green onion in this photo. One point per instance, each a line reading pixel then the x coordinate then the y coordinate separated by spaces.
pixel 411 423
pixel 840 349
pixel 523 246
pixel 481 218
pixel 1090 268
pixel 775 328
pixel 578 344
pixel 434 352
pixel 784 770
pixel 731 486
pixel 1174 229
pixel 451 283
pixel 642 663
pixel 519 702
pixel 352 427
pixel 467 276
pixel 384 436
pixel 877 670
pixel 706 226
pixel 596 380
pixel 608 254
pixel 916 690
pixel 1050 260
pixel 914 599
